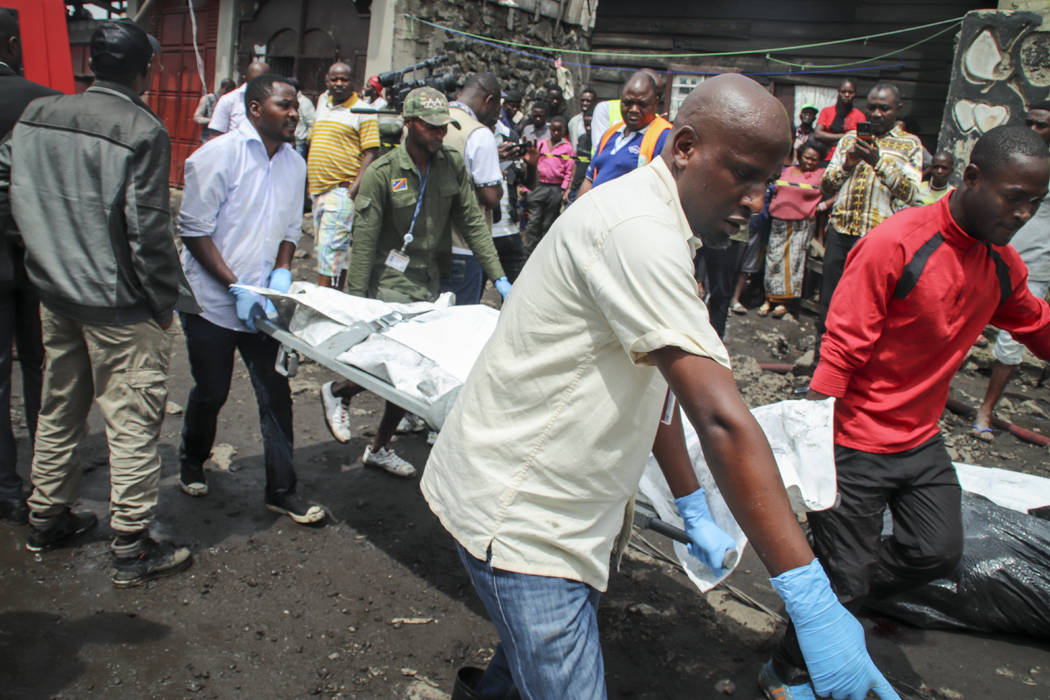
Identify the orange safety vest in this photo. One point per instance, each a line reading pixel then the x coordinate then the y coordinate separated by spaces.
pixel 645 154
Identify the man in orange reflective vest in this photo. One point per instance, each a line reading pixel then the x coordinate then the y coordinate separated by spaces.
pixel 632 142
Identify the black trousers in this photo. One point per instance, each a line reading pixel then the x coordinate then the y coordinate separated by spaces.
pixel 20 324
pixel 211 350
pixel 921 489
pixel 511 253
pixel 544 202
pixel 837 246
pixel 720 265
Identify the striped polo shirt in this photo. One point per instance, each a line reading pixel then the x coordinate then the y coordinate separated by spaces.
pixel 337 140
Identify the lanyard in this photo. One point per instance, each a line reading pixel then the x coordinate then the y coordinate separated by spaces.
pixel 408 237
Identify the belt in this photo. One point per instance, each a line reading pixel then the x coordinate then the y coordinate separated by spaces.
pixel 555 184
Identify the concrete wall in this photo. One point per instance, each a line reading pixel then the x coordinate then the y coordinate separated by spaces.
pixel 226 44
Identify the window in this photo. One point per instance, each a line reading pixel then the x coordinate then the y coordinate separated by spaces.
pixel 681 86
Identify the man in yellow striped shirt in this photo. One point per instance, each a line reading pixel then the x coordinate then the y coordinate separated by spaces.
pixel 342 144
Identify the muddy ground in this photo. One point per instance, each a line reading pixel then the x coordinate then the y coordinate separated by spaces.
pixel 376 605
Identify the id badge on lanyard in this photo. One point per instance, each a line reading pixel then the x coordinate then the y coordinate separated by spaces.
pixel 398 259
pixel 670 403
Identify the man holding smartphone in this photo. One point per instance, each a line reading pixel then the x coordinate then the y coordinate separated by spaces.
pixel 874 167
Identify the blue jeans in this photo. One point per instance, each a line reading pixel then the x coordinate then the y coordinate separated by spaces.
pixel 548 631
pixel 211 350
pixel 465 279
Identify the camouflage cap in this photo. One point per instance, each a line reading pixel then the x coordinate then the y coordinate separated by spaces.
pixel 428 104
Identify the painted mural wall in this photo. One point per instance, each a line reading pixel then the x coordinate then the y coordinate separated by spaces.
pixel 1002 65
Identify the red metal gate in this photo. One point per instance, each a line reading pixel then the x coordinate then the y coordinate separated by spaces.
pixel 176 88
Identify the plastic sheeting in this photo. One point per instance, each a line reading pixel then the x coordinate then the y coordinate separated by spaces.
pixel 800 433
pixel 427 355
pixel 1002 584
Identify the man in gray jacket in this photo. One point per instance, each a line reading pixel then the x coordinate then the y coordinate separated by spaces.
pixel 85 177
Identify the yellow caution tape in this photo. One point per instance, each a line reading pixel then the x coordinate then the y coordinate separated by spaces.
pixel 801 185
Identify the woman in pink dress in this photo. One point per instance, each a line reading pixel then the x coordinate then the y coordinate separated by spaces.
pixel 794 219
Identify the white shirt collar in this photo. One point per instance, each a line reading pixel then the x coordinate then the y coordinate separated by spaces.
pixel 465 108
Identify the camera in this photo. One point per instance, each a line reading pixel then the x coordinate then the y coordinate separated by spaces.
pixel 517 149
pixel 398 87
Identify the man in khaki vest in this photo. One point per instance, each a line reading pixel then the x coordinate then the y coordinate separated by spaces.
pixel 476 109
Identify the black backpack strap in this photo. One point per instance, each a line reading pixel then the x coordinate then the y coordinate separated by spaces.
pixel 913 270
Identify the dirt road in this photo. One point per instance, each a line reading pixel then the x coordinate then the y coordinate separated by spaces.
pixel 376 605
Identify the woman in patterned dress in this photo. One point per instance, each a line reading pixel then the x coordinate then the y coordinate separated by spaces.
pixel 794 219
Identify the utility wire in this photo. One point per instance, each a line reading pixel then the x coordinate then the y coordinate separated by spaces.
pixel 862 61
pixel 634 55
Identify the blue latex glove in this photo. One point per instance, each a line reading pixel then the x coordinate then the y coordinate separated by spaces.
pixel 280 281
pixel 503 287
pixel 248 307
pixel 832 641
pixel 709 542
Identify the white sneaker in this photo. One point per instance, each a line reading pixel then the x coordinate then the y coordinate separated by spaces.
pixel 387 459
pixel 336 414
pixel 411 423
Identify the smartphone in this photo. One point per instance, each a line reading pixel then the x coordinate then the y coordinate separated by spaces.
pixel 864 131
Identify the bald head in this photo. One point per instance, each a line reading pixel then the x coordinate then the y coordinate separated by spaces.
pixel 638 101
pixel 255 69
pixel 339 67
pixel 659 79
pixel 729 137
pixel 643 80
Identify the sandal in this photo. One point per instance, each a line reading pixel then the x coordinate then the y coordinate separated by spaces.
pixel 780 311
pixel 983 434
pixel 738 308
pixel 763 310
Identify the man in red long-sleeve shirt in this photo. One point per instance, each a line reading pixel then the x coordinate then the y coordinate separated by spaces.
pixel 915 294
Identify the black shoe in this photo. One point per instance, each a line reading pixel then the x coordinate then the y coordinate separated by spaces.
pixel 467 678
pixel 191 479
pixel 145 560
pixel 295 508
pixel 48 533
pixel 14 511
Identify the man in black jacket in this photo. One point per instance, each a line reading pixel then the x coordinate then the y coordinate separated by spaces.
pixel 19 305
pixel 85 177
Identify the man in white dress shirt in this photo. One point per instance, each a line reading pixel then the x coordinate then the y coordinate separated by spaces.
pixel 240 222
pixel 230 110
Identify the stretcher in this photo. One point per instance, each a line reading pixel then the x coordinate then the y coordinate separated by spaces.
pixel 417 356
pixel 293 348
pixel 304 306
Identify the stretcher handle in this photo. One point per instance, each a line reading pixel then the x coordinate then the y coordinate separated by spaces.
pixel 657 525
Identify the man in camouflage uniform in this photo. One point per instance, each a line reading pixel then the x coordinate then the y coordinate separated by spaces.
pixel 406 206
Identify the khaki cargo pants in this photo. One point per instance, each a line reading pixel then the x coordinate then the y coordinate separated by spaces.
pixel 125 370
